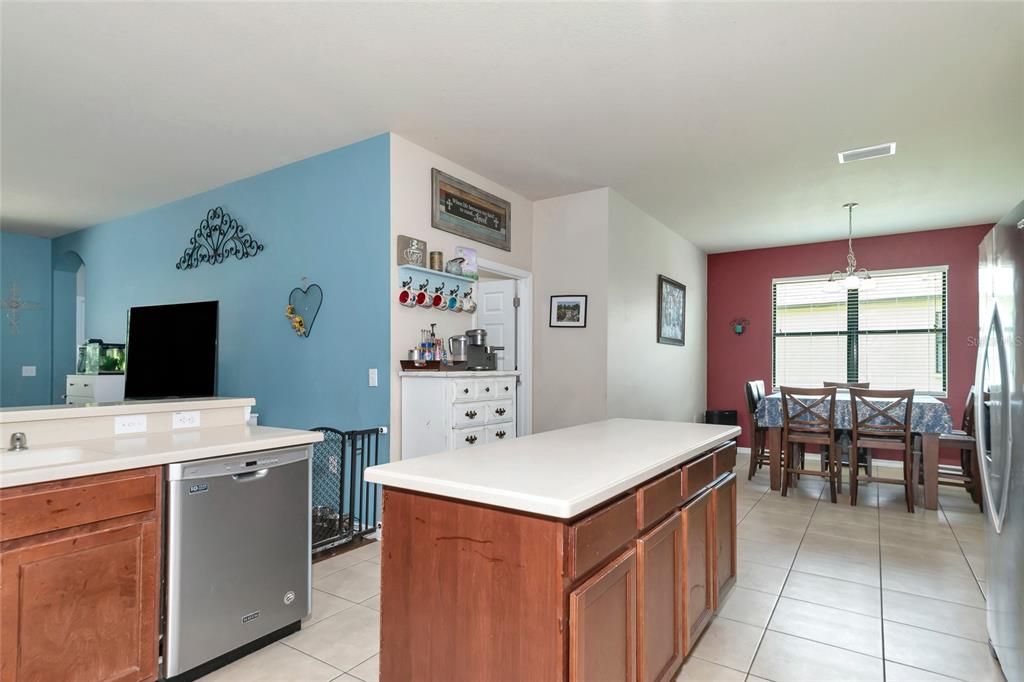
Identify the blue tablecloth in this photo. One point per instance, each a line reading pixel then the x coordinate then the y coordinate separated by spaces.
pixel 929 414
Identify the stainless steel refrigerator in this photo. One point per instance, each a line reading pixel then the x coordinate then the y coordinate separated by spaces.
pixel 999 405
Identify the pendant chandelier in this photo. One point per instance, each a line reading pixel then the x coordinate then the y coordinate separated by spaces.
pixel 853 277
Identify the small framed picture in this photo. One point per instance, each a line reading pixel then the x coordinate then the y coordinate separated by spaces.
pixel 568 311
pixel 671 311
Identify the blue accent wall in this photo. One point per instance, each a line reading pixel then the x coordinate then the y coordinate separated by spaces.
pixel 25 264
pixel 326 218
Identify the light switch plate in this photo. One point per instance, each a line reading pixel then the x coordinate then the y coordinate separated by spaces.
pixel 373 376
pixel 28 370
pixel 185 420
pixel 129 423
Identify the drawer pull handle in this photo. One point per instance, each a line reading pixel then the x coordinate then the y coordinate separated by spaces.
pixel 500 411
pixel 465 390
pixel 487 390
pixel 506 389
pixel 84 385
pixel 471 414
pixel 470 439
pixel 500 434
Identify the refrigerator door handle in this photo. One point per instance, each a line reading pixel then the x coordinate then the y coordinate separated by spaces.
pixel 996 511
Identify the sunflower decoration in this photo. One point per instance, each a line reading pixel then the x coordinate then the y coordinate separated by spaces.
pixel 298 324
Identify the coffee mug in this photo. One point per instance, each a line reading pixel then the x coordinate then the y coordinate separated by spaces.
pixel 406 297
pixel 455 304
pixel 424 299
pixel 469 305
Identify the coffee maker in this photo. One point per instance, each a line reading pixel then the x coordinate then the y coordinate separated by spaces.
pixel 471 352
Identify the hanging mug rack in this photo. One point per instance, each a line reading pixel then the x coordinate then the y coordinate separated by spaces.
pixel 423 288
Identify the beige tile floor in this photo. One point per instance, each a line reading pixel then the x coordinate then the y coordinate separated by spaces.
pixel 825 592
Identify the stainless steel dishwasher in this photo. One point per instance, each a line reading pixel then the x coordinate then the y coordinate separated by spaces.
pixel 238 556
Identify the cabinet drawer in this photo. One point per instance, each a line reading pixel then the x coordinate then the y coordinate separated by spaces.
pixel 80 386
pixel 467 438
pixel 485 390
pixel 505 387
pixel 697 475
pixel 469 414
pixel 597 537
pixel 500 411
pixel 465 390
pixel 496 434
pixel 725 458
pixel 658 498
pixel 45 507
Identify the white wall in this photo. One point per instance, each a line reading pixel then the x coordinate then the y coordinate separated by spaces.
pixel 647 379
pixel 570 256
pixel 410 215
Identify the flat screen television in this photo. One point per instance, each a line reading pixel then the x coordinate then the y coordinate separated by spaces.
pixel 171 351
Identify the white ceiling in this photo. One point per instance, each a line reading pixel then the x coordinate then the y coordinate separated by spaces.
pixel 721 120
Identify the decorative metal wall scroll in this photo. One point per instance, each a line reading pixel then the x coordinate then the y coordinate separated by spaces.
pixel 13 304
pixel 218 237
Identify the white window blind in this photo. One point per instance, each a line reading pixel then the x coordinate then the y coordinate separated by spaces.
pixel 893 336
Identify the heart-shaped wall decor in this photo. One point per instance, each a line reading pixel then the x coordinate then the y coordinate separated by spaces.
pixel 306 303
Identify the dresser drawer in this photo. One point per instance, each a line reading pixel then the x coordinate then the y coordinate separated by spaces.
pixel 500 432
pixel 464 390
pixel 725 458
pixel 600 536
pixel 44 507
pixel 505 387
pixel 469 414
pixel 80 386
pixel 467 438
pixel 485 390
pixel 500 411
pixel 658 498
pixel 697 475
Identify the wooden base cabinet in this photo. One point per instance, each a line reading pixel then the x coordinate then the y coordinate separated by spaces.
pixel 724 501
pixel 698 529
pixel 79 579
pixel 659 642
pixel 602 624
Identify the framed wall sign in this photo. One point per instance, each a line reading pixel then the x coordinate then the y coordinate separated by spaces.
pixel 460 208
pixel 568 311
pixel 671 311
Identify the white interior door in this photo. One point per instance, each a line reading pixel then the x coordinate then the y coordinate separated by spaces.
pixel 496 312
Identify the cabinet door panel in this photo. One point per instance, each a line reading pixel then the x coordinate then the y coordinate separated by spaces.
pixel 82 607
pixel 725 536
pixel 698 564
pixel 602 624
pixel 660 600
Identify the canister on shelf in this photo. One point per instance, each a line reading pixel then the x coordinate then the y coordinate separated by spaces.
pixel 436 261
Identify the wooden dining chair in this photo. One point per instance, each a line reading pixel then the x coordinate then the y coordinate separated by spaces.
pixel 758 434
pixel 881 420
pixel 804 424
pixel 968 474
pixel 847 384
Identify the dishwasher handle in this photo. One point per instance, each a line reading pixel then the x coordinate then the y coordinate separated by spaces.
pixel 250 475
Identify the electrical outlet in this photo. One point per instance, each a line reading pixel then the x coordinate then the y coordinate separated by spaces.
pixel 185 420
pixel 130 423
pixel 373 376
pixel 28 370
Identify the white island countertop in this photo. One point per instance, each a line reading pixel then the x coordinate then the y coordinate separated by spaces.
pixel 559 473
pixel 58 461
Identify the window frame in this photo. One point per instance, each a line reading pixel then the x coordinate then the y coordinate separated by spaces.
pixel 853 335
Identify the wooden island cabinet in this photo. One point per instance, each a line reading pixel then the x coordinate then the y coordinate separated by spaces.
pixel 622 591
pixel 80 578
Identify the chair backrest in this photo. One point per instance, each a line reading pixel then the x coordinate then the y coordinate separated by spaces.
pixel 755 392
pixel 808 410
pixel 967 423
pixel 847 384
pixel 881 414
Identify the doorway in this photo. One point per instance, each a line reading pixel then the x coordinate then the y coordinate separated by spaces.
pixel 504 309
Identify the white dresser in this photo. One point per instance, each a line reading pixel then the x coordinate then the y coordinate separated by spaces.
pixel 450 410
pixel 83 389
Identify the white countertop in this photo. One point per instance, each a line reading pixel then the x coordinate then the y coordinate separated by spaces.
pixel 476 375
pixel 87 457
pixel 559 473
pixel 46 412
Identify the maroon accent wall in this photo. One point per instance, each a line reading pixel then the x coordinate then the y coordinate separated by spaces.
pixel 740 286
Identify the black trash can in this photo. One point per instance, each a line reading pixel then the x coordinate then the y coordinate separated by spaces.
pixel 728 417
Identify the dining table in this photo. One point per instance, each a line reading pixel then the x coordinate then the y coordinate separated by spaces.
pixel 929 418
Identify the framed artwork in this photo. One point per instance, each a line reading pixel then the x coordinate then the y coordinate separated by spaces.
pixel 460 208
pixel 568 310
pixel 671 311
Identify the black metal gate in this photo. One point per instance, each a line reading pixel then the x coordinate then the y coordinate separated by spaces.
pixel 344 504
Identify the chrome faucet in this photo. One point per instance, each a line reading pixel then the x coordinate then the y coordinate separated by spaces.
pixel 18 442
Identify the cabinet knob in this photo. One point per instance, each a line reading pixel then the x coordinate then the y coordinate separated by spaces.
pixel 506 389
pixel 487 390
pixel 465 390
pixel 500 434
pixel 470 439
pixel 500 411
pixel 471 414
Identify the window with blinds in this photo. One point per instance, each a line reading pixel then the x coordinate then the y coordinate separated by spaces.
pixel 893 336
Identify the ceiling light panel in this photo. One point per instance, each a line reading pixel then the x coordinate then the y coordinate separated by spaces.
pixel 886 149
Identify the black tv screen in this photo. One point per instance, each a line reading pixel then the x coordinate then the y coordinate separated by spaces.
pixel 171 351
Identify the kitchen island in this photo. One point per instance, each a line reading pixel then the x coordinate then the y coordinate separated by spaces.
pixel 597 552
